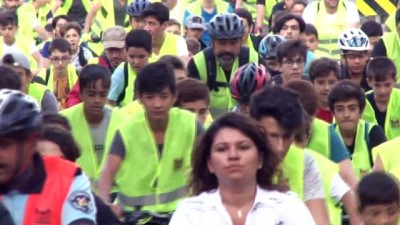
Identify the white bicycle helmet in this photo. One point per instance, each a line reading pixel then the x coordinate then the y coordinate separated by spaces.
pixel 226 26
pixel 354 40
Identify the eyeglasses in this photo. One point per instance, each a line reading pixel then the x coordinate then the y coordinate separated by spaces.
pixel 62 59
pixel 353 56
pixel 291 62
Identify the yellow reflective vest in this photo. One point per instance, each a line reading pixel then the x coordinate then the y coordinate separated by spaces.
pixel 129 83
pixel 131 108
pixel 392 45
pixel 388 153
pixel 293 170
pixel 37 91
pixel 67 4
pixel 392 120
pixel 48 77
pixel 195 7
pixel 27 14
pixel 361 157
pixel 328 171
pixel 328 35
pixel 80 130
pixel 169 47
pixel 207 66
pixel 320 138
pixel 148 179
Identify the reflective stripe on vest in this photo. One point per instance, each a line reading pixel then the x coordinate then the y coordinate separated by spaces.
pixel 72 77
pixel 162 176
pixel 80 130
pixel 328 171
pixel 59 177
pixel 37 91
pixel 320 138
pixel 153 199
pixel 392 120
pixel 360 157
pixel 328 35
pixel 220 100
pixel 293 170
pixel 392 45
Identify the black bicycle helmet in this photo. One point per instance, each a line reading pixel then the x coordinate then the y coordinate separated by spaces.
pixel 226 26
pixel 19 113
pixel 248 79
pixel 137 7
pixel 269 45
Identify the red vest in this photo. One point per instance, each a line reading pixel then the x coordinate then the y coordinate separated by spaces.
pixel 46 208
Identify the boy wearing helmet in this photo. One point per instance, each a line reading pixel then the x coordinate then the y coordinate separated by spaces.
pixel 267 51
pixel 134 11
pixel 35 189
pixel 215 65
pixel 247 80
pixel 355 47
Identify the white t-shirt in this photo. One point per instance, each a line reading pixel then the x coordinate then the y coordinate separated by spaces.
pixel 269 208
pixel 182 47
pixel 352 16
pixel 339 188
pixel 14 48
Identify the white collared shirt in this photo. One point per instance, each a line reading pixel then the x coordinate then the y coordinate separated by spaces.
pixel 270 208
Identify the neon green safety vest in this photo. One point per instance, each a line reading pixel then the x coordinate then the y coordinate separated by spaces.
pixel 129 77
pixel 72 77
pixel 131 108
pixel 37 91
pixel 328 35
pixel 145 178
pixel 106 14
pixel 392 121
pixel 169 46
pixel 360 157
pixel 221 100
pixel 251 5
pixel 269 5
pixel 391 22
pixel 388 153
pixel 81 133
pixel 320 138
pixel 293 170
pixel 195 7
pixel 26 14
pixel 67 4
pixel 328 171
pixel 24 46
pixel 392 45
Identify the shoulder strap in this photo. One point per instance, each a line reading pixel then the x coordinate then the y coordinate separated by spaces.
pixel 126 80
pixel 211 69
pixel 81 56
pixel 366 138
pixel 47 76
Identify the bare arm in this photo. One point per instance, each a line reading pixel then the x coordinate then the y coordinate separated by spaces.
pixel 260 18
pixel 107 176
pixel 346 172
pixel 318 211
pixel 91 16
pixel 350 205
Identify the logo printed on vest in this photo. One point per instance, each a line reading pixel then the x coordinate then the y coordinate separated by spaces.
pixel 178 163
pixel 43 216
pixel 81 200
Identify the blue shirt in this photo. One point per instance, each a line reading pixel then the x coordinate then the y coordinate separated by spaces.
pixel 117 83
pixel 310 58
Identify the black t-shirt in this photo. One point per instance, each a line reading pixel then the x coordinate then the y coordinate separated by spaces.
pixel 363 84
pixel 104 215
pixel 77 12
pixel 379 49
pixel 194 73
pixel 380 116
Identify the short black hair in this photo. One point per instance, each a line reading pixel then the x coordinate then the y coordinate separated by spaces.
pixel 8 18
pixel 191 90
pixel 139 38
pixel 57 18
pixel 173 61
pixel 299 2
pixel 157 10
pixel 280 103
pixel 71 25
pixel 56 119
pixel 245 14
pixel 377 188
pixel 154 78
pixel 61 45
pixel 48 28
pixel 291 48
pixel 307 93
pixel 372 29
pixel 379 68
pixel 346 90
pixel 92 73
pixel 311 30
pixel 9 79
pixel 322 67
pixel 286 17
pixel 175 22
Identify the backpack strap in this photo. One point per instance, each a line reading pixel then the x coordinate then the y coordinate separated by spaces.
pixel 47 76
pixel 81 56
pixel 126 80
pixel 366 138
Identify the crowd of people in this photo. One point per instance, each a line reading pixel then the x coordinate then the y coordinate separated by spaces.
pixel 239 112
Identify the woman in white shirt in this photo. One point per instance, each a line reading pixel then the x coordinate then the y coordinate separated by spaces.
pixel 232 180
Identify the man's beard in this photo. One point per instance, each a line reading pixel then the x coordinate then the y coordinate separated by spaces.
pixel 226 60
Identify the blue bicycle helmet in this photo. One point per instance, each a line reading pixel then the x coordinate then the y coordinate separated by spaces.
pixel 19 113
pixel 137 7
pixel 268 46
pixel 226 26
